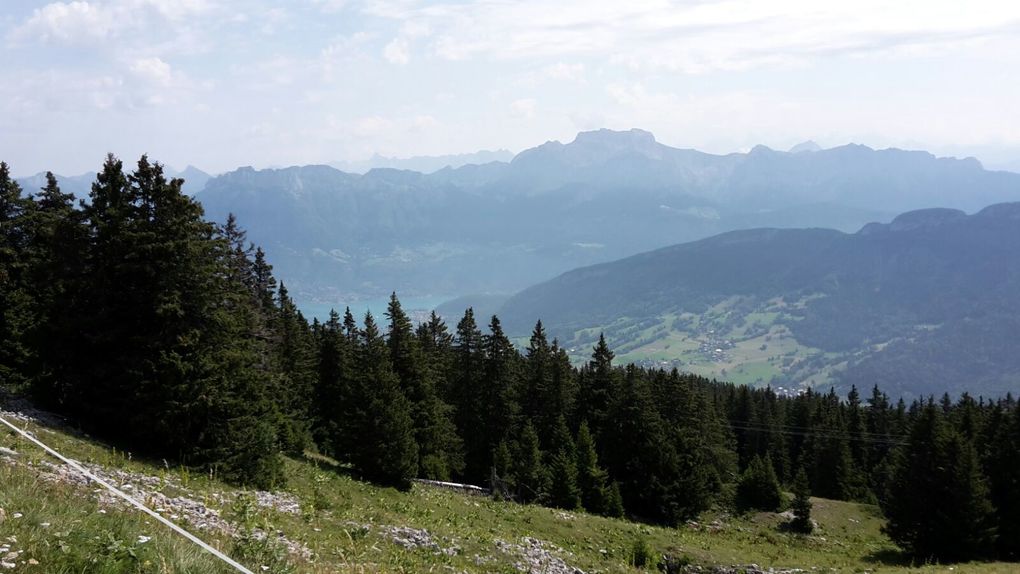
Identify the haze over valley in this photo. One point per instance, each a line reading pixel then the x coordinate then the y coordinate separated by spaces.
pixel 475 286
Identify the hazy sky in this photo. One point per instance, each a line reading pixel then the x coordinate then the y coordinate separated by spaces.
pixel 224 83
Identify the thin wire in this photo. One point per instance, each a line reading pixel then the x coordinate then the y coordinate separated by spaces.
pixel 131 501
pixel 820 434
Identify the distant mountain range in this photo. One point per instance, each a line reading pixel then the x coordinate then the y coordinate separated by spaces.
pixel 500 227
pixel 928 303
pixel 80 185
pixel 424 163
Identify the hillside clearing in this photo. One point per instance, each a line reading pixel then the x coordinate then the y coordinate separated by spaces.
pixel 325 521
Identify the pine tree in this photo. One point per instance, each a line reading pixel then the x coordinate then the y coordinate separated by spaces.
pixel 502 477
pixel 17 314
pixel 801 504
pixel 642 456
pixel 563 473
pixel 563 490
pixel 386 451
pixel 537 387
pixel 294 373
pixel 56 255
pixel 531 478
pixel 938 466
pixel 166 363
pixel 1004 478
pixel 334 390
pixel 440 449
pixel 591 479
pixel 758 488
pixel 614 501
pixel 597 386
pixel 500 368
pixel 466 397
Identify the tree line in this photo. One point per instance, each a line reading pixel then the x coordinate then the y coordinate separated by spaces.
pixel 168 335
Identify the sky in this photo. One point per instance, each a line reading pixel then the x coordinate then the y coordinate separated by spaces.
pixel 225 83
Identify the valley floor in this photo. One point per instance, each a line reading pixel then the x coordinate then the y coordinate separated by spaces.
pixel 54 521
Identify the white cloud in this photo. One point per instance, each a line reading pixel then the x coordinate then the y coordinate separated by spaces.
pixel 699 37
pixel 330 6
pixel 372 126
pixel 523 108
pixel 80 21
pixel 396 52
pixel 71 22
pixel 424 122
pixel 153 70
pixel 563 71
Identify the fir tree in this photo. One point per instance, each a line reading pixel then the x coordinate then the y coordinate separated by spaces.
pixel 938 466
pixel 16 303
pixel 334 390
pixel 614 501
pixel 801 504
pixel 1004 478
pixel 597 386
pixel 439 447
pixel 294 373
pixel 591 479
pixel 563 490
pixel 386 451
pixel 466 397
pixel 758 488
pixel 531 478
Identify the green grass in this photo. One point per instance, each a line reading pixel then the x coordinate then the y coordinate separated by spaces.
pixel 763 350
pixel 61 527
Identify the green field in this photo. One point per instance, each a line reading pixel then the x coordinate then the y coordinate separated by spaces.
pixel 342 525
pixel 728 341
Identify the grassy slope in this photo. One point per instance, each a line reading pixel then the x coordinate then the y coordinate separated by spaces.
pixel 79 538
pixel 758 347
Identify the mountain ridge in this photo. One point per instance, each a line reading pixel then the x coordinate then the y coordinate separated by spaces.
pixel 917 304
pixel 499 227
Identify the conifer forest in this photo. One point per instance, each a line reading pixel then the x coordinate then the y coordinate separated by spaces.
pixel 167 334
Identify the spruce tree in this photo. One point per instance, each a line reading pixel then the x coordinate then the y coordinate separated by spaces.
pixel 614 501
pixel 531 478
pixel 440 449
pixel 500 371
pixel 591 479
pixel 56 255
pixel 939 467
pixel 563 473
pixel 466 397
pixel 563 490
pixel 294 373
pixel 386 451
pixel 801 505
pixel 642 455
pixel 334 390
pixel 17 315
pixel 597 387
pixel 758 488
pixel 1003 473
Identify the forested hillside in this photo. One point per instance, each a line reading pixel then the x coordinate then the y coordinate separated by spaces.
pixel 169 335
pixel 925 304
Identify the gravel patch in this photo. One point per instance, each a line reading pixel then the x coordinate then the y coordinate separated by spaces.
pixel 537 557
pixel 149 489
